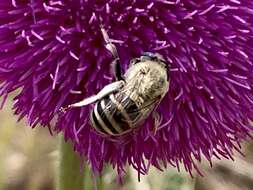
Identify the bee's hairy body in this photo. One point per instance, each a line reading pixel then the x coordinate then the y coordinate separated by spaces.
pixel 145 85
pixel 125 103
pixel 111 115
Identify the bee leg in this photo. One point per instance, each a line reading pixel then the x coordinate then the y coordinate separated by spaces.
pixel 109 45
pixel 157 121
pixel 112 48
pixel 108 89
pixel 117 70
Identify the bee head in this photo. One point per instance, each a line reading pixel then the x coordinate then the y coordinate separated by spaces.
pixel 149 56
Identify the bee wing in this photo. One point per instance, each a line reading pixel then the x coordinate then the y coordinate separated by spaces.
pixel 141 112
pixel 129 110
pixel 132 112
pixel 146 106
pixel 108 89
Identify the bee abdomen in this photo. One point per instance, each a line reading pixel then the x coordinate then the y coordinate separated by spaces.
pixel 109 116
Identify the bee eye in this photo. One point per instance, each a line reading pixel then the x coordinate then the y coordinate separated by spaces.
pixel 148 54
pixel 145 58
pixel 134 61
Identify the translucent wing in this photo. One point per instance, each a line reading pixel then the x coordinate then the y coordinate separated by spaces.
pixel 148 106
pixel 127 109
pixel 141 112
pixel 131 110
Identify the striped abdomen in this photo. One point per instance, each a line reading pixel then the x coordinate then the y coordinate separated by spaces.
pixel 115 114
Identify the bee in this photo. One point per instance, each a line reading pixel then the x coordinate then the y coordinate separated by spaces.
pixel 126 103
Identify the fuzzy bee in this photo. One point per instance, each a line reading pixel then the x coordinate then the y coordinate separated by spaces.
pixel 125 104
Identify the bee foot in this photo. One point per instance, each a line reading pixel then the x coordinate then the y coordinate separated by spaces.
pixel 64 109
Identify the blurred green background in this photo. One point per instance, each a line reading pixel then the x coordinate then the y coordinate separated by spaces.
pixel 28 161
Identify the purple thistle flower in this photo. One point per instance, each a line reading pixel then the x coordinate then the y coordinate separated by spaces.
pixel 53 51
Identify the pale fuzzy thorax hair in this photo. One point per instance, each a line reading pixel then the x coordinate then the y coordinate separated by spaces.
pixel 147 80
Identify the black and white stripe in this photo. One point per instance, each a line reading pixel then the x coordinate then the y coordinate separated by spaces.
pixel 114 115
